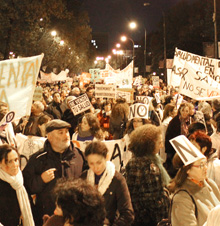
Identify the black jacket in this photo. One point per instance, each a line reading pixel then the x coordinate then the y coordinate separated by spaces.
pixel 9 207
pixel 117 202
pixel 69 164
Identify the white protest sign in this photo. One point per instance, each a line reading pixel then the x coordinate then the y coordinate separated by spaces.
pixel 186 150
pixel 206 66
pixel 138 111
pixel 28 145
pixel 144 99
pixel 125 95
pixel 156 81
pixel 17 83
pixel 105 91
pixel 80 104
pixel 38 94
pixel 196 85
pixel 115 150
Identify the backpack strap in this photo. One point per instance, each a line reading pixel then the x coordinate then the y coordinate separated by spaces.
pixel 193 200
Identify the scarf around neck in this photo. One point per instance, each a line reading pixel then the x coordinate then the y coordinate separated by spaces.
pixel 16 183
pixel 106 178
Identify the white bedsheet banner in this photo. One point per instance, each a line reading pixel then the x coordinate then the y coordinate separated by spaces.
pixel 17 83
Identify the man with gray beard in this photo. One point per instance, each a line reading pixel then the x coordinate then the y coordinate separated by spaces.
pixel 57 159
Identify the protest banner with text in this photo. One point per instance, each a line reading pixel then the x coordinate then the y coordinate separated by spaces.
pixel 80 104
pixel 105 91
pixel 17 83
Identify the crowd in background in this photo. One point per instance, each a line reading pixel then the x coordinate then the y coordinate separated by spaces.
pixel 152 175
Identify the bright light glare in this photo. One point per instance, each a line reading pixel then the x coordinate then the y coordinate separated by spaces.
pixel 123 38
pixel 53 33
pixel 118 45
pixel 132 25
pixel 61 42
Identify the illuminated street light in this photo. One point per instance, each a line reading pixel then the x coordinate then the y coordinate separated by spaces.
pixel 123 39
pixel 61 42
pixel 118 45
pixel 132 25
pixel 53 33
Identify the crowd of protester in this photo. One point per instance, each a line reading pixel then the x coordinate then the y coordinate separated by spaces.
pixel 63 185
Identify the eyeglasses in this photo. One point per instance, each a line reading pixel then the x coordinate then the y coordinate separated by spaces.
pixel 201 166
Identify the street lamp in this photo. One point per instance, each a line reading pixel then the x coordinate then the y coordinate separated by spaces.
pixel 53 33
pixel 164 41
pixel 133 25
pixel 123 39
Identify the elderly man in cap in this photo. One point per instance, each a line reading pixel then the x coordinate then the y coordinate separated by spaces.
pixel 58 159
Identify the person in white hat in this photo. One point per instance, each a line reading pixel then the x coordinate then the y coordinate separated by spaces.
pixel 194 194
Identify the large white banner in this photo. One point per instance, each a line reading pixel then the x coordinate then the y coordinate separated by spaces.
pixel 198 86
pixel 17 83
pixel 122 78
pixel 207 67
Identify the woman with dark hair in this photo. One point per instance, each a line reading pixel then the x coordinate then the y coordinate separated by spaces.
pixel 15 206
pixel 78 204
pixel 169 113
pixel 177 126
pixel 110 184
pixel 88 129
pixel 205 193
pixel 119 118
pixel 146 176
pixel 203 142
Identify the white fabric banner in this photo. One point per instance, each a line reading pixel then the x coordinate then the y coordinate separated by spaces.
pixel 198 86
pixel 17 83
pixel 206 66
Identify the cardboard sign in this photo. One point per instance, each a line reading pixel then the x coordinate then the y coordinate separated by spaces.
pixel 145 99
pixel 138 111
pixel 156 81
pixel 125 95
pixel 105 91
pixel 186 150
pixel 80 104
pixel 38 94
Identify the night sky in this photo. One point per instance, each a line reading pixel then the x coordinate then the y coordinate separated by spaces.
pixel 113 16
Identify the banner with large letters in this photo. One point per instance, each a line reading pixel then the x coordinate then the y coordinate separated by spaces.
pixel 205 66
pixel 17 83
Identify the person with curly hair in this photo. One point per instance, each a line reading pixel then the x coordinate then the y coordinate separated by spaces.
pixel 88 129
pixel 146 177
pixel 78 204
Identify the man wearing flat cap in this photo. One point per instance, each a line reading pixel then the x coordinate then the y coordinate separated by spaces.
pixel 57 159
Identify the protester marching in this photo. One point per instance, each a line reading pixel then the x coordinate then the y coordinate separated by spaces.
pixel 147 152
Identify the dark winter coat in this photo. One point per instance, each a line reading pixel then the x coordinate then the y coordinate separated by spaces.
pixel 117 202
pixel 68 164
pixel 9 207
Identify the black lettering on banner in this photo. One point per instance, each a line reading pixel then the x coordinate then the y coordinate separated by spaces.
pixel 142 110
pixel 114 155
pixel 180 146
pixel 188 86
pixel 200 91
